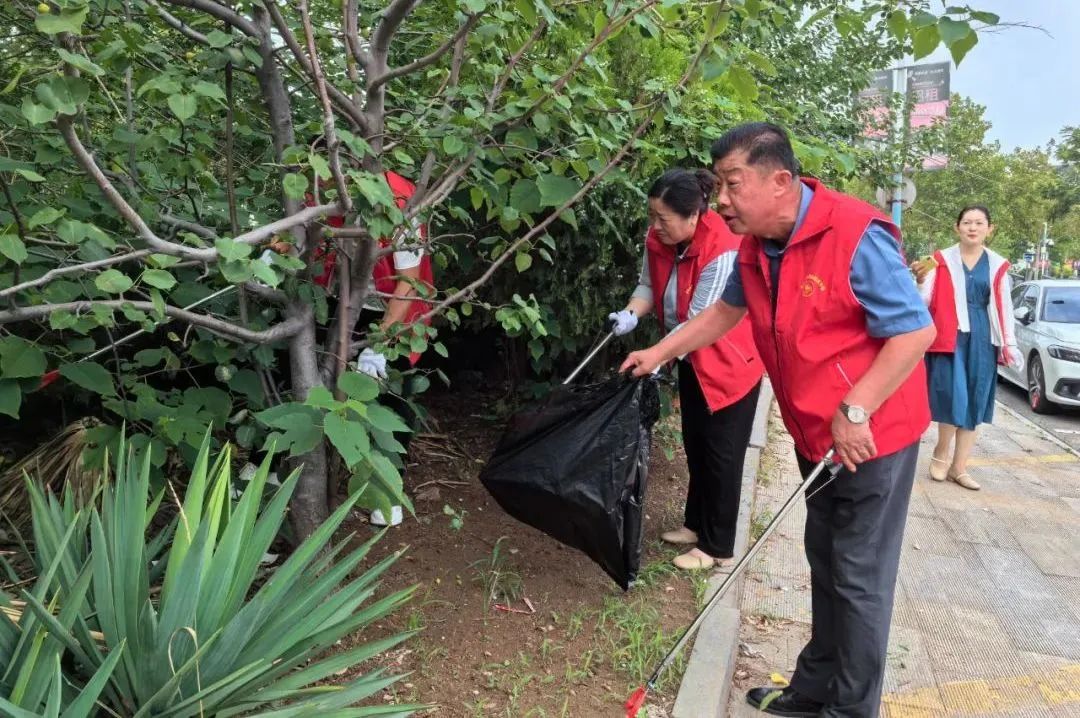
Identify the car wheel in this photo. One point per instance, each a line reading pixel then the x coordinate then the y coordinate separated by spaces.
pixel 1037 387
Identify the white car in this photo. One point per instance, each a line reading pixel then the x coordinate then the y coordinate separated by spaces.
pixel 1048 334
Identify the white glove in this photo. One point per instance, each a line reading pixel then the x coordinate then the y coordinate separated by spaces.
pixel 623 322
pixel 372 363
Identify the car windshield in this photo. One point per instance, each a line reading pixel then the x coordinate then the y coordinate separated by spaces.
pixel 1062 305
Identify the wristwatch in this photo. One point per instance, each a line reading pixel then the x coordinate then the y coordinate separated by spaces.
pixel 854 413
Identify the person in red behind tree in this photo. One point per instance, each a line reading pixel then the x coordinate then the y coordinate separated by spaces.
pixel 397 273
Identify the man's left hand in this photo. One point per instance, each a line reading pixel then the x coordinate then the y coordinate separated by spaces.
pixel 854 442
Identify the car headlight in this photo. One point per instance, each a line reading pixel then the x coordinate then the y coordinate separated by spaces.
pixel 1060 352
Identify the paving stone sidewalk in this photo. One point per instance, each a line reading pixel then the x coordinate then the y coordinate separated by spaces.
pixel 987 617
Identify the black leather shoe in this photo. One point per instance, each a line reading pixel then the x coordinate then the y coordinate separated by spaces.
pixel 789 703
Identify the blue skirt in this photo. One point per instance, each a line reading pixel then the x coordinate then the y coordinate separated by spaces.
pixel 962 384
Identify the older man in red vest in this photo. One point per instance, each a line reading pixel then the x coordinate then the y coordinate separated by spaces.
pixel 837 319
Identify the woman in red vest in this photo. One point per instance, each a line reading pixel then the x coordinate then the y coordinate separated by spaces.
pixel 969 294
pixel 689 253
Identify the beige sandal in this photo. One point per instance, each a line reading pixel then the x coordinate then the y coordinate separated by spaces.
pixel 965 480
pixel 938 475
pixel 694 560
pixel 679 537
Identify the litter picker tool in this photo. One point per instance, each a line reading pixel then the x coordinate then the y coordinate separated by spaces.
pixel 589 357
pixel 637 699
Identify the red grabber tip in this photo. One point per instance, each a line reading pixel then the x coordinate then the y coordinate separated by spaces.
pixel 49 378
pixel 635 702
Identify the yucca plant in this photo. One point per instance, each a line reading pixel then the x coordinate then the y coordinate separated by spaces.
pixel 31 681
pixel 211 640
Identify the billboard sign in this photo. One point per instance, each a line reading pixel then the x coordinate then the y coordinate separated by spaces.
pixel 929 88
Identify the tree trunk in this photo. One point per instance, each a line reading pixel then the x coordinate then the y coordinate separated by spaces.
pixel 310 505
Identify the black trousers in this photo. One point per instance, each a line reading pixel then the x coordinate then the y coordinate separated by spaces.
pixel 854 533
pixel 715 452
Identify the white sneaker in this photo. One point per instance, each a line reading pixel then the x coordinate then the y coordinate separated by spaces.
pixel 377 518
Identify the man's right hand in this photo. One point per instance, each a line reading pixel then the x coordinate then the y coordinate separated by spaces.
pixel 642 362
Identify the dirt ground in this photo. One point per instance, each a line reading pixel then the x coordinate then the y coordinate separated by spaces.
pixel 586 646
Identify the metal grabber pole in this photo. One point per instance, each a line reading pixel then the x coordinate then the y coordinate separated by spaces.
pixel 637 699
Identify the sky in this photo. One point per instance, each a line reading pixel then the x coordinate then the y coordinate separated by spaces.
pixel 1028 80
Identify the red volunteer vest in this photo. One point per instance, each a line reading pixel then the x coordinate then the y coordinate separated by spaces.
pixel 729 368
pixel 943 308
pixel 383 273
pixel 815 346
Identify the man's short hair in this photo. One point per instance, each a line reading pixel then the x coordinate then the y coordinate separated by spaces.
pixel 764 143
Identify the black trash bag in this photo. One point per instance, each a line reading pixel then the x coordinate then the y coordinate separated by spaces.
pixel 575 465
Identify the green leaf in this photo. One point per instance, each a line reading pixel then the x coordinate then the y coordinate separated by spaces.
pixel 295 185
pixel 897 24
pixel 30 175
pixel 10 397
pixel 320 398
pixel 113 281
pixel 63 94
pixel 474 6
pixel 80 61
pixel 385 420
pixel 525 196
pixel 349 438
pixel 20 359
pixel 523 261
pixel 46 215
pixel 13 248
pixel 962 47
pixel 453 145
pixel 952 30
pixel 743 82
pixel 358 386
pixel 264 272
pixel 36 114
pixel 90 376
pixel 64 21
pixel 985 17
pixel 232 250
pixel 71 231
pixel 320 165
pixel 218 39
pixel 926 41
pixel 555 190
pixel 183 105
pixel 208 89
pixel 159 278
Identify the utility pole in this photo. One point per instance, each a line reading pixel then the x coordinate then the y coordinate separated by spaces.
pixel 900 83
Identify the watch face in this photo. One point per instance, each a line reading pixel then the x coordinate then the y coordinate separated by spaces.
pixel 856 414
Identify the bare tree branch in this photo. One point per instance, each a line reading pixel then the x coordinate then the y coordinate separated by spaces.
pixel 193 227
pixel 210 7
pixel 282 330
pixel 392 17
pixel 343 102
pixel 86 161
pixel 352 34
pixel 74 269
pixel 426 60
pixel 333 144
pixel 470 288
pixel 177 24
pixel 287 223
pixel 500 83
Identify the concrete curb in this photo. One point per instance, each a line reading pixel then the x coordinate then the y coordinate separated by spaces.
pixel 706 684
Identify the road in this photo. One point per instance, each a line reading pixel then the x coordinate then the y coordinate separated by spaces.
pixel 1064 424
